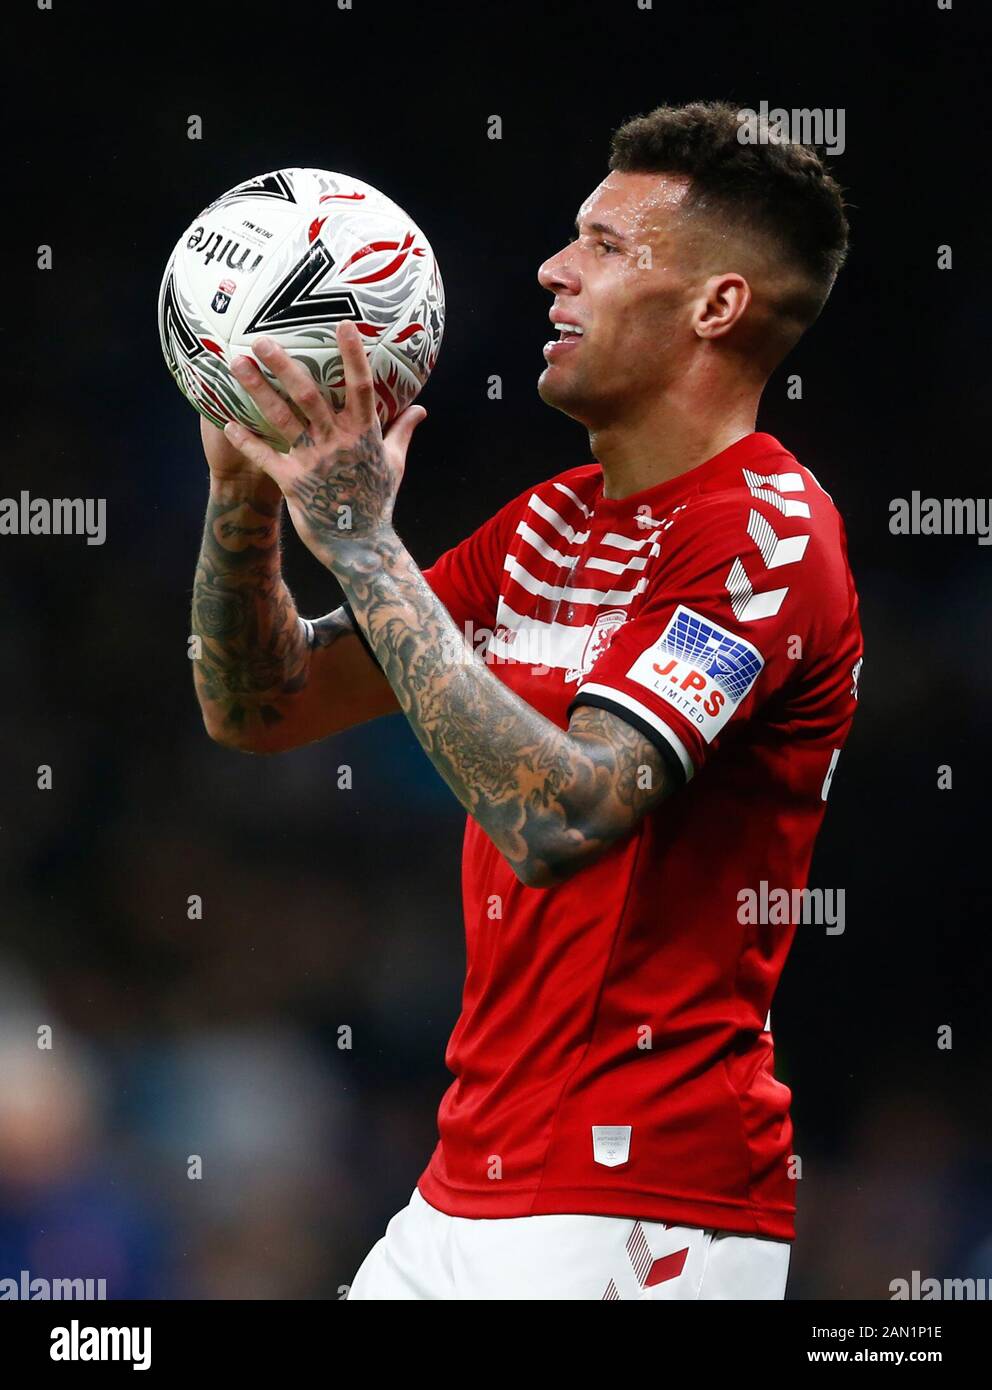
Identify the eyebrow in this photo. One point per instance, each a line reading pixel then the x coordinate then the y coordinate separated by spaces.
pixel 603 227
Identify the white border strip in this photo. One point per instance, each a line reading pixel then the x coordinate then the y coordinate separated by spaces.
pixel 619 697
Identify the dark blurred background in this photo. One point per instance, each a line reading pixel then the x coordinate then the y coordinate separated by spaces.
pixel 325 908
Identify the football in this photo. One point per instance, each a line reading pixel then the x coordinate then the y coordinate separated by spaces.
pixel 290 255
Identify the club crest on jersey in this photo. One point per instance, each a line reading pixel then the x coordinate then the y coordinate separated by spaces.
pixel 222 298
pixel 700 669
pixel 600 636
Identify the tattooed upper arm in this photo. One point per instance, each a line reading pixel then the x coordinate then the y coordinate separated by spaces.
pixel 639 776
pixel 623 776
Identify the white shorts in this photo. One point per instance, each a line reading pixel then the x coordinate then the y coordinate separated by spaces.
pixel 426 1254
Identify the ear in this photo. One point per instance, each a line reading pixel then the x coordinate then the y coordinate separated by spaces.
pixel 722 303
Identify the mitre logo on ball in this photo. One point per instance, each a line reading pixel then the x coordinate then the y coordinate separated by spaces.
pixel 309 249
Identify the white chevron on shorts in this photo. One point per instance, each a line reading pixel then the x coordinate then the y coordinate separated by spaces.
pixel 639 1252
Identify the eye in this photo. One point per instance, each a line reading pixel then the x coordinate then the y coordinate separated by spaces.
pixel 609 247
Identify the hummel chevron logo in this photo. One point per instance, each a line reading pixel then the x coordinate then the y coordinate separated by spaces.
pixel 775 550
pixel 748 606
pixel 761 485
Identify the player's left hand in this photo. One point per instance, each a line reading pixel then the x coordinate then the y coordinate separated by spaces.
pixel 341 476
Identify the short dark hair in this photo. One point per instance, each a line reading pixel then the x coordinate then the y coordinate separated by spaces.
pixel 781 190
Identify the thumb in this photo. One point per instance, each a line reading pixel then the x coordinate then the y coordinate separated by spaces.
pixel 402 428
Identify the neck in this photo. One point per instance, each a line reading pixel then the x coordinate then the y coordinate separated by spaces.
pixel 667 438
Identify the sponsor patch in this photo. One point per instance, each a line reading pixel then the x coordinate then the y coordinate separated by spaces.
pixel 699 669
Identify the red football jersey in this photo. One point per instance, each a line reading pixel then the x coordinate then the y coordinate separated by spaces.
pixel 613 1054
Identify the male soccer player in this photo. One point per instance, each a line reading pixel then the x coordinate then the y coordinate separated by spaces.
pixel 644 740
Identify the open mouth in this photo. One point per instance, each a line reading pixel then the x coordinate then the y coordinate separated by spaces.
pixel 569 336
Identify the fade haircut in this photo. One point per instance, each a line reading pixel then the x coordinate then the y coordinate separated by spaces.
pixel 779 191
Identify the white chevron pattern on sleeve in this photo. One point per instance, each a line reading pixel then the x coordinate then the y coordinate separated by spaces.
pixel 775 550
pixel 747 603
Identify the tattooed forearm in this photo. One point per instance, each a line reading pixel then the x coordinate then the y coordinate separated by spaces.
pixel 550 799
pixel 253 646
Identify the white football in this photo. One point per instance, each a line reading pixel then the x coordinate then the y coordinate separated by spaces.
pixel 290 255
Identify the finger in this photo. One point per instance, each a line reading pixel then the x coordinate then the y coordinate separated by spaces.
pixel 359 390
pixel 254 449
pixel 274 409
pixel 296 381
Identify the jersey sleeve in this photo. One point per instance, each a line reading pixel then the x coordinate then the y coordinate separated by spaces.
pixel 717 632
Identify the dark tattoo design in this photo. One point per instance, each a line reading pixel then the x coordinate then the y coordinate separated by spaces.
pixel 254 652
pixel 229 530
pixel 550 799
pixel 348 494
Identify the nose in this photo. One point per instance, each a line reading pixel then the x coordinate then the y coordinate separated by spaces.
pixel 558 274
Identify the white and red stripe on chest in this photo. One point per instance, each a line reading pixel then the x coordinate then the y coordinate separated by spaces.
pixel 569 582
